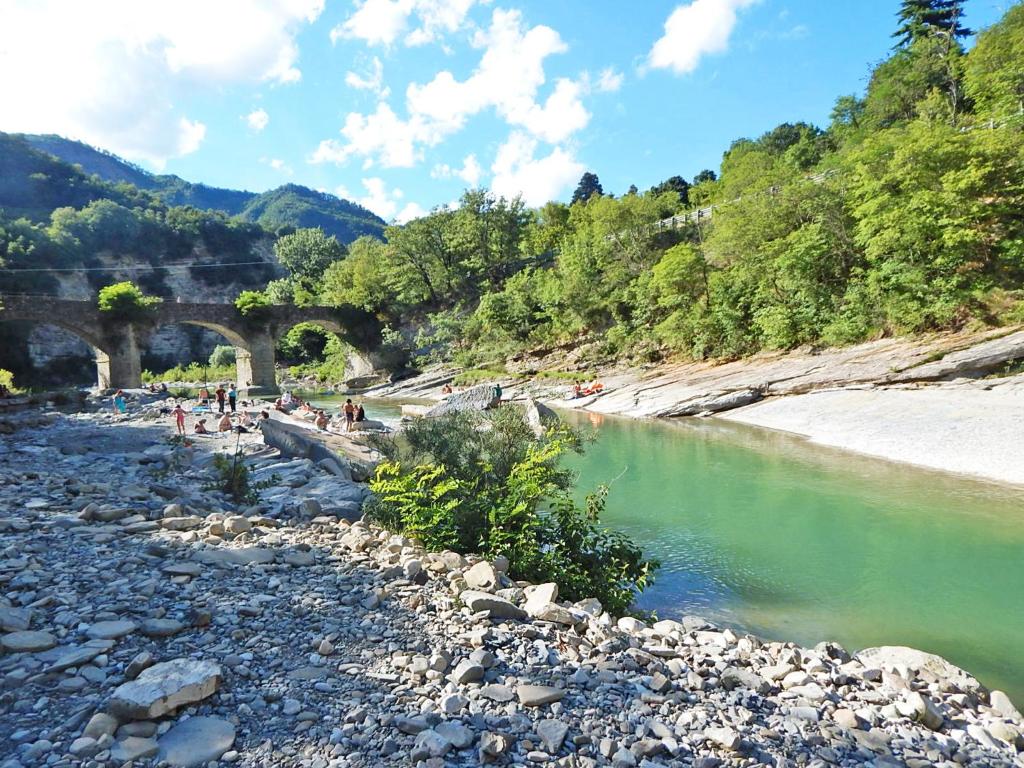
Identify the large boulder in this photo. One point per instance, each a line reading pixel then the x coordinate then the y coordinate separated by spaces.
pixel 196 741
pixel 538 416
pixel 476 399
pixel 897 658
pixel 164 687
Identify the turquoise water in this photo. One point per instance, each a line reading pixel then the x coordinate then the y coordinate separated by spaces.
pixel 771 534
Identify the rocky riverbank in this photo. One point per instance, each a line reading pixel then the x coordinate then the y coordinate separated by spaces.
pixel 950 402
pixel 147 618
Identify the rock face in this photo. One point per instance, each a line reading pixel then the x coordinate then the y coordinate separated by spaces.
pixel 476 399
pixel 164 687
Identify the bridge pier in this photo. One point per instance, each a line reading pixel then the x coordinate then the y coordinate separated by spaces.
pixel 255 366
pixel 119 365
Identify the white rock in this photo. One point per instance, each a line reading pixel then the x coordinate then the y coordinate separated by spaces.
pixel 164 687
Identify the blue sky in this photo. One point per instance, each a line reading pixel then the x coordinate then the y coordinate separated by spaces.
pixel 401 104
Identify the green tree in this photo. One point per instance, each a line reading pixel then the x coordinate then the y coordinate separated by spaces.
pixel 589 186
pixel 994 76
pixel 676 184
pixel 705 175
pixel 253 305
pixel 223 355
pixel 307 253
pixel 362 279
pixel 919 19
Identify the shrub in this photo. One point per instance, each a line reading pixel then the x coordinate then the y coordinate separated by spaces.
pixel 7 380
pixel 125 301
pixel 253 305
pixel 485 483
pixel 223 356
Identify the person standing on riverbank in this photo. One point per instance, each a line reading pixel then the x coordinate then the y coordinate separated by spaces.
pixel 179 418
pixel 232 397
pixel 221 394
pixel 120 404
pixel 350 414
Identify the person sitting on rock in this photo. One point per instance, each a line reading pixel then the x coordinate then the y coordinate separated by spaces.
pixel 360 413
pixel 321 420
pixel 200 428
pixel 224 425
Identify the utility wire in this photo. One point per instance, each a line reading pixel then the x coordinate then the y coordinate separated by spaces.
pixel 135 267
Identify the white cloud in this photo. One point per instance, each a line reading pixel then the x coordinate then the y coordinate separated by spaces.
pixel 371 82
pixel 692 31
pixel 112 73
pixel 470 172
pixel 507 79
pixel 382 22
pixel 258 119
pixel 280 166
pixel 609 80
pixel 382 201
pixel 409 212
pixel 517 170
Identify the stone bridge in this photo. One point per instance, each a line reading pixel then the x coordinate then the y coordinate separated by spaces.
pixel 118 344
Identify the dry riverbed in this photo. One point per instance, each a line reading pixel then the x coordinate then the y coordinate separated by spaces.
pixel 148 619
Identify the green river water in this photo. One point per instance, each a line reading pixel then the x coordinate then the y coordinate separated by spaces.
pixel 771 534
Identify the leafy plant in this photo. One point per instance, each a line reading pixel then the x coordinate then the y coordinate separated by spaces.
pixel 125 302
pixel 253 305
pixel 485 483
pixel 223 356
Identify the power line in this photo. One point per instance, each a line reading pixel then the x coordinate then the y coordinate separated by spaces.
pixel 137 267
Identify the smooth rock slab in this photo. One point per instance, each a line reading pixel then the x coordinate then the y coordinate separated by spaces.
pixel 552 734
pixel 28 641
pixel 111 630
pixel 240 556
pixel 537 695
pixel 161 627
pixel 196 741
pixel 164 687
pixel 499 607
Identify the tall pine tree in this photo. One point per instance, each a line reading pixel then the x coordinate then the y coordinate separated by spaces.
pixel 589 186
pixel 922 18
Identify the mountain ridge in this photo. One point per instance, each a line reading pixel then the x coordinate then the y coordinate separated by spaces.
pixel 290 206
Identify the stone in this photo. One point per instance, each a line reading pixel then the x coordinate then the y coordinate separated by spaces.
pixel 101 724
pixel 74 657
pixel 111 630
pixel 482 576
pixel 726 738
pixel 27 641
pixel 925 711
pixel 164 687
pixel 497 692
pixel 552 734
pixel 237 524
pixel 430 743
pixel 894 657
pixel 236 556
pixel 498 607
pixel 1001 703
pixel 15 619
pixel 845 718
pixel 452 703
pixel 456 734
pixel 467 671
pixel 734 677
pixel 479 398
pixel 493 744
pixel 85 746
pixel 299 558
pixel 538 695
pixel 623 758
pixel 196 741
pixel 161 627
pixel 133 748
pixel 182 569
pixel 326 647
pixel 139 662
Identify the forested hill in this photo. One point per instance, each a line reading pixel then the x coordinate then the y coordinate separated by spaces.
pixel 289 206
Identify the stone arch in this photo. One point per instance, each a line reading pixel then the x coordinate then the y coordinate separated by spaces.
pixel 112 365
pixel 355 336
pixel 245 377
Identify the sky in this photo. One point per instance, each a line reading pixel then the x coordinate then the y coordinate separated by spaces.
pixel 400 105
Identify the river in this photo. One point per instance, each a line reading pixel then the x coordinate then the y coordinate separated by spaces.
pixel 768 533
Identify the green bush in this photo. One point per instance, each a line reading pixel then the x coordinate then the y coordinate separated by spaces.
pixel 253 305
pixel 125 301
pixel 193 372
pixel 485 483
pixel 7 380
pixel 223 356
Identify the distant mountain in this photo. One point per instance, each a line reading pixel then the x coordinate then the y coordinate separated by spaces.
pixel 290 206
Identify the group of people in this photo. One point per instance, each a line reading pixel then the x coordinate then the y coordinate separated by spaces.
pixel 224 397
pixel 578 390
pixel 226 423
